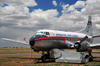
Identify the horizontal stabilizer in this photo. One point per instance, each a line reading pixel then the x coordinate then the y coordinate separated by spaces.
pixel 15 41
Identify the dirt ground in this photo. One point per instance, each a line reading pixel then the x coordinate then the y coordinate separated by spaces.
pixel 22 59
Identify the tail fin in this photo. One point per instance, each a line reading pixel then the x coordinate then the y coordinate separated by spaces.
pixel 88 28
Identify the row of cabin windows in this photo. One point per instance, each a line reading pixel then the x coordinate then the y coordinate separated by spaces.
pixel 75 38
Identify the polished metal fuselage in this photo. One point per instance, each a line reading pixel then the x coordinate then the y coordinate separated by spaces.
pixel 49 44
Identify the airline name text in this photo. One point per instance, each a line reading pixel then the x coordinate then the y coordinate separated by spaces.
pixel 68 35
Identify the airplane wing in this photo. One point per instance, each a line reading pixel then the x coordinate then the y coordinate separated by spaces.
pixel 95 46
pixel 95 36
pixel 15 41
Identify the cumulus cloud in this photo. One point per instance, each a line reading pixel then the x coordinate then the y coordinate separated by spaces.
pixel 68 9
pixel 98 26
pixel 71 8
pixel 79 4
pixel 54 3
pixel 65 6
pixel 21 2
pixel 92 7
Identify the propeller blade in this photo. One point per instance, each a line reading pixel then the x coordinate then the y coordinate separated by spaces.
pixel 83 39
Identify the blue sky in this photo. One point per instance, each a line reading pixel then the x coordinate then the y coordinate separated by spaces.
pixel 47 4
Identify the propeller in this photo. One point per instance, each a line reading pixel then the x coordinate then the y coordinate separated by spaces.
pixel 83 39
pixel 78 44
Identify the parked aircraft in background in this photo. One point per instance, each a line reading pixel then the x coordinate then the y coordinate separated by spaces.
pixel 46 40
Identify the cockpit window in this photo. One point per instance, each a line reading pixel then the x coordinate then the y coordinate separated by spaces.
pixel 47 33
pixel 39 33
pixel 42 33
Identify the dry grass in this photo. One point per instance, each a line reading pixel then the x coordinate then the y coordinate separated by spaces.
pixel 25 61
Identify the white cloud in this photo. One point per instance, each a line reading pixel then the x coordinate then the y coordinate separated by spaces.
pixel 45 14
pixel 98 26
pixel 92 7
pixel 54 3
pixel 79 4
pixel 65 6
pixel 71 8
pixel 18 10
pixel 21 2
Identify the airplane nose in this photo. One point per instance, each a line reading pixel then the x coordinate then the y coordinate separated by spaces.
pixel 32 41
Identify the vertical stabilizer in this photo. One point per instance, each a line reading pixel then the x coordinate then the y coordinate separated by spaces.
pixel 88 28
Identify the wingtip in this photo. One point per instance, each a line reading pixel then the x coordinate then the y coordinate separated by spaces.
pixel 24 38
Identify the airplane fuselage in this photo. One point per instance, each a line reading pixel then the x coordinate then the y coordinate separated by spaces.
pixel 49 39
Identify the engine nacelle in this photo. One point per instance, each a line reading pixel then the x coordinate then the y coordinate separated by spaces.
pixel 77 45
pixel 84 46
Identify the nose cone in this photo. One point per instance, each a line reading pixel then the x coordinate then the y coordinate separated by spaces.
pixel 32 41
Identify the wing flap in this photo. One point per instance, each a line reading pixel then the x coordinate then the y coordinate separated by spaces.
pixel 15 41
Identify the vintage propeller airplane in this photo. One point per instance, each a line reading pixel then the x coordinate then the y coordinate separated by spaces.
pixel 46 40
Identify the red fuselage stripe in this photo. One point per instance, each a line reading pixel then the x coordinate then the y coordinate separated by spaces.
pixel 60 38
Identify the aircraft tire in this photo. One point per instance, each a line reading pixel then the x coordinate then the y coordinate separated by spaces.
pixel 46 56
pixel 91 58
pixel 43 58
pixel 86 56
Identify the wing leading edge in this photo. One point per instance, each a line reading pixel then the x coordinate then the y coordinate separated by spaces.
pixel 96 46
pixel 15 41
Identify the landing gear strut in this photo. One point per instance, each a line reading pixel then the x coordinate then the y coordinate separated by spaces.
pixel 45 56
pixel 91 57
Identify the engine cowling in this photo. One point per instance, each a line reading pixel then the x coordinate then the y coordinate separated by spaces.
pixel 84 46
pixel 77 45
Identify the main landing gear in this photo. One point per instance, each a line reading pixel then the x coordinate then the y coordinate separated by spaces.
pixel 90 55
pixel 45 56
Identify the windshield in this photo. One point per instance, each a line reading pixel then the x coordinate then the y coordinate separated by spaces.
pixel 39 33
